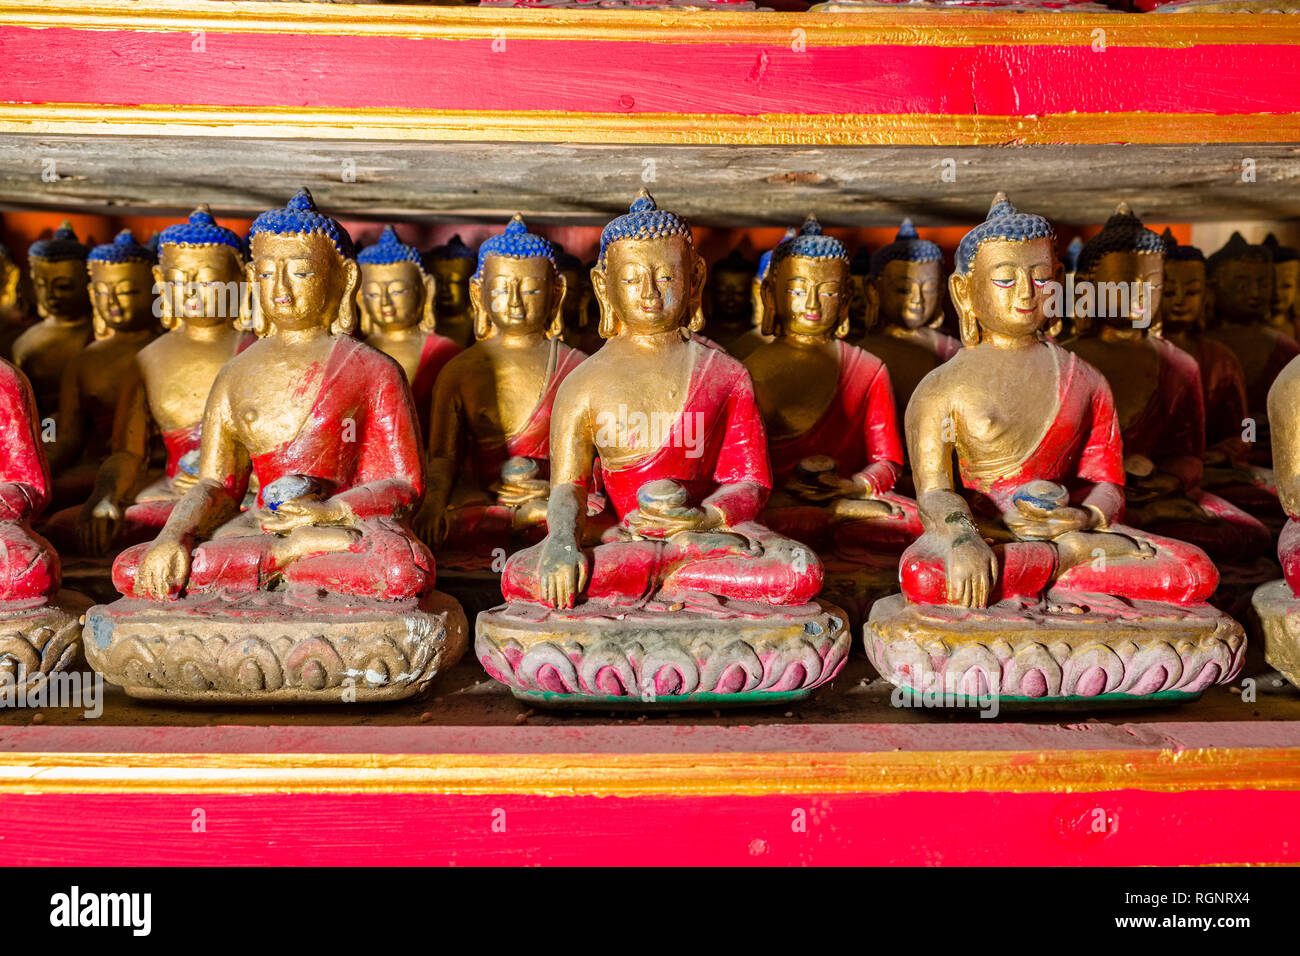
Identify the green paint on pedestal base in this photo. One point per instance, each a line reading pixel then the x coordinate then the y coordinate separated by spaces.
pixel 668 702
pixel 1168 698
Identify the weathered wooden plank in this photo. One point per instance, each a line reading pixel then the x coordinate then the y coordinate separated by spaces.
pixel 717 185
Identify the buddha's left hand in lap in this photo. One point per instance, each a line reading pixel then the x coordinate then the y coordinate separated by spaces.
pixel 1030 522
pixel 304 512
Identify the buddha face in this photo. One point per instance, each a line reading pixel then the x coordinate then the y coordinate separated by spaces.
pixel 60 289
pixel 1184 293
pixel 393 294
pixel 1286 280
pixel 451 279
pixel 301 280
pixel 122 294
pixel 1243 289
pixel 730 296
pixel 1007 287
pixel 518 296
pixel 649 285
pixel 809 296
pixel 909 292
pixel 200 284
pixel 1143 273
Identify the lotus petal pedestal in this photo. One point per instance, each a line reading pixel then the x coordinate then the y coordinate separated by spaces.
pixel 268 649
pixel 36 642
pixel 663 657
pixel 1279 618
pixel 1084 649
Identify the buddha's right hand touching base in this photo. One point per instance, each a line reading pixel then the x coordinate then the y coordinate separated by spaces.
pixel 972 568
pixel 563 571
pixel 164 569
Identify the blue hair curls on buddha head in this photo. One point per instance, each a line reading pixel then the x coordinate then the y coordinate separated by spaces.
pixel 1004 223
pixel 301 217
pixel 515 243
pixel 1279 252
pixel 1123 232
pixel 1237 249
pixel 202 230
pixel 907 246
pixel 123 248
pixel 765 260
pixel 643 220
pixel 60 247
pixel 810 243
pixel 389 250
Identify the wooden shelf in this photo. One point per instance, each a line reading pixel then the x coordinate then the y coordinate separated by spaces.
pixel 423 781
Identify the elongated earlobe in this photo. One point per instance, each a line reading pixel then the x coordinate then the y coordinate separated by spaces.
pixel 428 316
pixel 346 320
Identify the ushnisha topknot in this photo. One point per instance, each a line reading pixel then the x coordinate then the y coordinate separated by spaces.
pixel 1280 252
pixel 123 248
pixel 453 248
pixel 735 263
pixel 60 247
pixel 1237 249
pixel 810 243
pixel 564 259
pixel 1174 252
pixel 1123 232
pixel 1004 223
pixel 389 250
pixel 516 243
pixel 301 217
pixel 765 260
pixel 201 230
pixel 907 246
pixel 644 220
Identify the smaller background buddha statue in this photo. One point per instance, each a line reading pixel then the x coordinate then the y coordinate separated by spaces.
pixel 121 291
pixel 1286 283
pixel 45 350
pixel 397 315
pixel 728 306
pixel 14 299
pixel 451 265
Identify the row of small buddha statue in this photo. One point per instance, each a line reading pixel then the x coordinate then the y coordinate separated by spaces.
pixel 695 512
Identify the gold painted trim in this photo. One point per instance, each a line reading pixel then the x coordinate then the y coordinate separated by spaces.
pixel 632 775
pixel 770 129
pixel 857 28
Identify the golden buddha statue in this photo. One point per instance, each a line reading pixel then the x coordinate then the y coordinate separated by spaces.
pixel 1241 279
pixel 121 294
pixel 451 265
pixel 1025 586
pixel 320 593
pixel 397 315
pixel 579 320
pixel 46 349
pixel 13 303
pixel 164 390
pixel 831 425
pixel 490 425
pixel 1228 472
pixel 689 600
pixel 728 307
pixel 1285 310
pixel 905 292
pixel 1158 396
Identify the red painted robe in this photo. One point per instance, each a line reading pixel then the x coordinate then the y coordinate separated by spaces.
pixel 859 429
pixel 29 571
pixel 1081 448
pixel 1171 432
pixel 716 449
pixel 363 396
